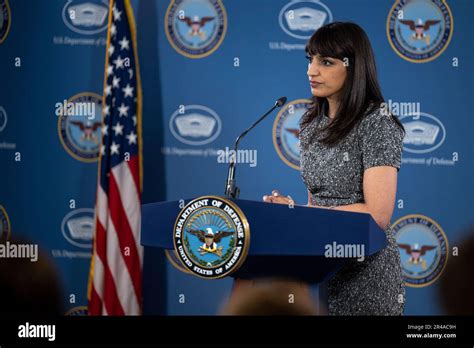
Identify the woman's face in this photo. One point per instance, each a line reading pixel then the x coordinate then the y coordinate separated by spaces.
pixel 326 75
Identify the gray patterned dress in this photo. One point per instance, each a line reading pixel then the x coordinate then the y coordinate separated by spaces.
pixel 334 177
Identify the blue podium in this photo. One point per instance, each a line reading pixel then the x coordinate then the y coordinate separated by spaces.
pixel 288 242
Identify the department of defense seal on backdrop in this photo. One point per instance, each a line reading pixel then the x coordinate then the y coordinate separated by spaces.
pixel 286 131
pixel 423 249
pixel 80 131
pixel 195 28
pixel 5 19
pixel 5 228
pixel 78 311
pixel 419 30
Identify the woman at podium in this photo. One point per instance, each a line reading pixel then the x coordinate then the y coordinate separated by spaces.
pixel 350 153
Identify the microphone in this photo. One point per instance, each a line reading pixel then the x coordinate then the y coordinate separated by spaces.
pixel 232 191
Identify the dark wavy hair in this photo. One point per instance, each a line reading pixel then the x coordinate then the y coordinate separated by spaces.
pixel 360 94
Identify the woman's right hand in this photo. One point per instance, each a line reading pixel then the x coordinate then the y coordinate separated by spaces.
pixel 276 197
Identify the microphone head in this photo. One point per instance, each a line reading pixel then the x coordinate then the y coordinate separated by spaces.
pixel 280 102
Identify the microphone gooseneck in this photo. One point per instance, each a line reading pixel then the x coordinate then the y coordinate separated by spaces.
pixel 231 190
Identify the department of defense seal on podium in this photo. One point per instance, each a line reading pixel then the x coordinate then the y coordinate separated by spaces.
pixel 211 237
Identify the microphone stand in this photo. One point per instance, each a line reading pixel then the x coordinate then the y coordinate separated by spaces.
pixel 231 190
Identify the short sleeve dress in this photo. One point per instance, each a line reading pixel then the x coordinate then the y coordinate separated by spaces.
pixel 334 176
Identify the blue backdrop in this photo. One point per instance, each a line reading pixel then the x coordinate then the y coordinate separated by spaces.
pixel 202 86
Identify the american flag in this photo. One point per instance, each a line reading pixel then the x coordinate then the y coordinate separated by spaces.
pixel 115 278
